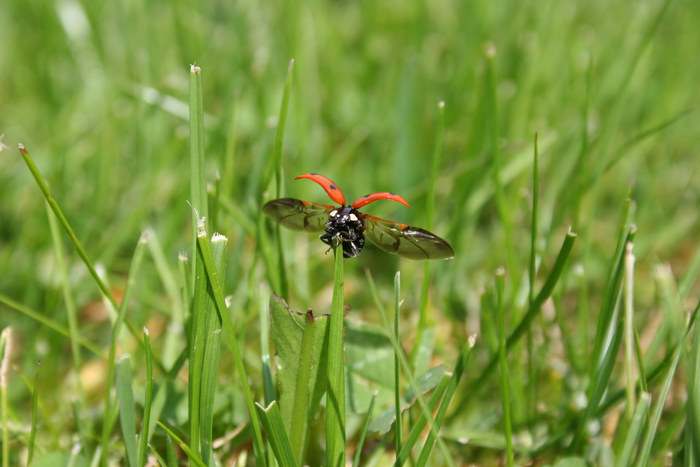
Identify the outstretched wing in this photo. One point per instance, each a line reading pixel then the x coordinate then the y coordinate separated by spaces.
pixel 296 214
pixel 404 240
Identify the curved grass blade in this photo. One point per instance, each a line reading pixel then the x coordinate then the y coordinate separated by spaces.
pixel 185 448
pixel 49 323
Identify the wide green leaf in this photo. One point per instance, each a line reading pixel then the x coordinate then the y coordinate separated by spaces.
pixel 299 340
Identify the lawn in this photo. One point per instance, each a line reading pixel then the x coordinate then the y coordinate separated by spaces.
pixel 152 313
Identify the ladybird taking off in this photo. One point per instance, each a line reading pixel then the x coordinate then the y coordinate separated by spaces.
pixel 347 226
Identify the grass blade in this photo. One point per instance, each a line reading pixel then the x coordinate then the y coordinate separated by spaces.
pixel 35 413
pixel 211 352
pixel 116 329
pixel 185 448
pixel 629 331
pixel 43 186
pixel 49 323
pixel 460 366
pixel 420 360
pixel 397 373
pixel 599 385
pixel 335 391
pixel 363 432
pixel 264 313
pixel 198 175
pixel 125 396
pixel 533 309
pixel 532 272
pixel 502 358
pixel 417 427
pixel 145 428
pixel 276 434
pixel 502 205
pixel 230 336
pixel 279 140
pixel 635 429
pixel 407 370
pixel 692 428
pixel 71 311
pixel 5 348
pixel 645 449
pixel 612 290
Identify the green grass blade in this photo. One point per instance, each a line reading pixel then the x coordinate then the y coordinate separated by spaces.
pixel 629 331
pixel 211 353
pixel 612 290
pixel 418 426
pixel 197 341
pixel 425 410
pixel 185 448
pixel 127 410
pixel 158 457
pixel 230 336
pixel 276 434
pixel 460 366
pixel 147 403
pixel 35 413
pixel 335 391
pixel 647 441
pixel 397 373
pixel 692 429
pixel 43 186
pixel 502 205
pixel 420 361
pixel 49 323
pixel 635 429
pixel 599 385
pixel 71 311
pixel 279 140
pixel 533 309
pixel 116 329
pixel 504 380
pixel 363 432
pixel 264 312
pixel 5 348
pixel 198 175
pixel 532 272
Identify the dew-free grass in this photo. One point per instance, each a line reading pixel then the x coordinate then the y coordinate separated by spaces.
pixel 601 355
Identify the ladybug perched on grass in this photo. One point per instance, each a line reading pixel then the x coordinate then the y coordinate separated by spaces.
pixel 349 226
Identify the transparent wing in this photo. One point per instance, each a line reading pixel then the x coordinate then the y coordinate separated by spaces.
pixel 404 240
pixel 296 214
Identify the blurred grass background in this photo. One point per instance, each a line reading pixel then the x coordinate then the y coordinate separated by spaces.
pixel 97 92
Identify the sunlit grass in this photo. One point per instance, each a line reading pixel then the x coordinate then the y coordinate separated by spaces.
pixel 581 353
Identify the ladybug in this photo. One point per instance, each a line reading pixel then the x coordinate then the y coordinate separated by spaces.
pixel 349 226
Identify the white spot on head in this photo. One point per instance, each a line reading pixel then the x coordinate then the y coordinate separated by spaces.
pixel 333 213
pixel 353 217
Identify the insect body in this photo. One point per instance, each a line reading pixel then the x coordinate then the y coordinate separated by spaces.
pixel 347 226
